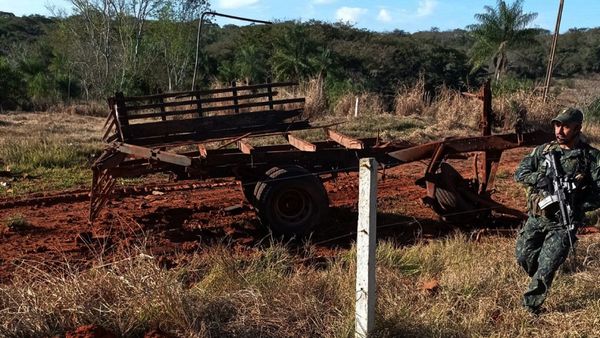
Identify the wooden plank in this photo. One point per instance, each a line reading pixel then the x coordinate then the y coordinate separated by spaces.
pixel 301 144
pixel 120 112
pixel 163 156
pixel 111 138
pixel 366 245
pixel 344 140
pixel 220 134
pixel 196 101
pixel 209 91
pixel 235 98
pixel 271 94
pixel 245 147
pixel 205 124
pixel 217 108
pixel 111 113
pixel 109 128
pixel 162 109
pixel 497 142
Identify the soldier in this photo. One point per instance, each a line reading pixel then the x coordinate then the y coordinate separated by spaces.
pixel 543 244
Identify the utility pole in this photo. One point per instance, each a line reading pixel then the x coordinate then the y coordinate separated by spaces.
pixel 553 51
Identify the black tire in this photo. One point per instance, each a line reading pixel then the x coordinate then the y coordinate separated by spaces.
pixel 249 184
pixel 248 190
pixel 291 201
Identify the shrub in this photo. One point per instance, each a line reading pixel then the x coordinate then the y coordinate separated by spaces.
pixel 11 86
pixel 511 85
pixel 15 223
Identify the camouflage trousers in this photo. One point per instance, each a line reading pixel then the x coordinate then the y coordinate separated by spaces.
pixel 542 246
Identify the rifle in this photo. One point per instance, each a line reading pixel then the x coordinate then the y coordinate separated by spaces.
pixel 562 191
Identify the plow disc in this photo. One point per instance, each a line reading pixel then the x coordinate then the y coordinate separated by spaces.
pixel 456 199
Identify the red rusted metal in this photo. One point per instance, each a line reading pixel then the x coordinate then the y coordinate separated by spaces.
pixel 498 142
pixel 143 147
pixel 475 194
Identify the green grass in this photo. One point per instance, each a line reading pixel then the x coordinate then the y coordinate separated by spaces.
pixel 43 179
pixel 46 164
pixel 46 153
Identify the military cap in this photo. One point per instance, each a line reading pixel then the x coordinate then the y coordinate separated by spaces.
pixel 569 115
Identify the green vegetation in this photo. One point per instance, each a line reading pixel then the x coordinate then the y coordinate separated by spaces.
pixel 273 292
pixel 150 46
pixel 501 30
pixel 15 223
pixel 27 154
pixel 47 151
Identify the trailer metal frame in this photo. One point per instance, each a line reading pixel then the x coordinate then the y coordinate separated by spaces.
pixel 145 134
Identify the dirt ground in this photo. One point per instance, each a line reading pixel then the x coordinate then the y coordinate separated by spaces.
pixel 172 225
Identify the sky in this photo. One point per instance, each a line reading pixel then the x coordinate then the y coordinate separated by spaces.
pixel 374 15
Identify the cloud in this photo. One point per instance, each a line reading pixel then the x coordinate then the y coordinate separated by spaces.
pixel 384 15
pixel 426 7
pixel 231 4
pixel 350 14
pixel 323 2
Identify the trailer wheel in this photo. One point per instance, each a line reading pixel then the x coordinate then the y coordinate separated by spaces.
pixel 291 201
pixel 249 183
pixel 248 190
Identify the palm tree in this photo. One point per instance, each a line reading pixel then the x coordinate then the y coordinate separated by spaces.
pixel 249 64
pixel 500 30
pixel 291 53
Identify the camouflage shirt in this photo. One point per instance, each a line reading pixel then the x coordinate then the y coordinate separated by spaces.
pixel 581 165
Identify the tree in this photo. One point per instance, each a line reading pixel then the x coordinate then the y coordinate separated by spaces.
pixel 499 31
pixel 106 43
pixel 11 86
pixel 292 53
pixel 172 37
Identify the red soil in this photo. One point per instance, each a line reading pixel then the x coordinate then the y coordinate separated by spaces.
pixel 90 331
pixel 173 225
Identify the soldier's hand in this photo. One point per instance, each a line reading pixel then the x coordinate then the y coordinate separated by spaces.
pixel 544 183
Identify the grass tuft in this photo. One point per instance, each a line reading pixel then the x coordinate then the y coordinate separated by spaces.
pixel 15 223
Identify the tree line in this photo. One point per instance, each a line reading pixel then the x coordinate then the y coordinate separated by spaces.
pixel 149 46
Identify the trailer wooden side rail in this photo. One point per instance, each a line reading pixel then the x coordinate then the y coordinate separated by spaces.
pixel 282 181
pixel 145 134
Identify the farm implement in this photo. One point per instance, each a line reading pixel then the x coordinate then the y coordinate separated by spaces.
pixel 283 182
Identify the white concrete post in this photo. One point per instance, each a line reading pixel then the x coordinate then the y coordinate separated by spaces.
pixel 356 107
pixel 365 248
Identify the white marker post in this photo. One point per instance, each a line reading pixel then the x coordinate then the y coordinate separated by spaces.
pixel 365 248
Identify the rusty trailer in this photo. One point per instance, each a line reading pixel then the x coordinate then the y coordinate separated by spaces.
pixel 283 182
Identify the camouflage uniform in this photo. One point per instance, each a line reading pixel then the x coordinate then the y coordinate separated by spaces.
pixel 543 244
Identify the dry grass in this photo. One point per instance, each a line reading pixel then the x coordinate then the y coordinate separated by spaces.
pixel 272 293
pixel 47 151
pixel 316 103
pixel 275 291
pixel 369 104
pixel 92 108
